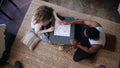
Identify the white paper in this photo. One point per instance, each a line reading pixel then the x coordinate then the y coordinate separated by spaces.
pixel 62 30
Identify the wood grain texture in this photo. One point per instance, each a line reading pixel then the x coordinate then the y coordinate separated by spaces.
pixel 101 8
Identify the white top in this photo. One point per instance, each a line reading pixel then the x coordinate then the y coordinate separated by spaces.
pixel 101 40
pixel 34 26
pixel 32 22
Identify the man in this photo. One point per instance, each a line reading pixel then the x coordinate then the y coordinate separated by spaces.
pixel 89 38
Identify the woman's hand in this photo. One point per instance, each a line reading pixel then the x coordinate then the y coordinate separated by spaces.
pixel 59 21
pixel 51 29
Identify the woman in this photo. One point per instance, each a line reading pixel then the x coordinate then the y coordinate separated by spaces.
pixel 43 22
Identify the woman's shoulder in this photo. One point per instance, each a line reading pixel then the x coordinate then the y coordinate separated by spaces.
pixel 38 24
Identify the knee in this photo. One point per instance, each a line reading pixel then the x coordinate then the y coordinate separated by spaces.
pixel 76 59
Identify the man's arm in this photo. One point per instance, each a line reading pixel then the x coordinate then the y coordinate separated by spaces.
pixel 66 22
pixel 90 50
pixel 87 22
pixel 81 21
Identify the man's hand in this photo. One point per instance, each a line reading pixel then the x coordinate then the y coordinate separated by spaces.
pixel 74 43
pixel 66 22
pixel 73 47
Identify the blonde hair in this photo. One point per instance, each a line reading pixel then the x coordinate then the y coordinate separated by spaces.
pixel 43 13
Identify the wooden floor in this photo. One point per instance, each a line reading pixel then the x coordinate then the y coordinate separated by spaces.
pixel 46 55
pixel 106 10
pixel 101 8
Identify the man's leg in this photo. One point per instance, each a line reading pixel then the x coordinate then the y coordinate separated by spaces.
pixel 18 64
pixel 79 55
pixel 102 66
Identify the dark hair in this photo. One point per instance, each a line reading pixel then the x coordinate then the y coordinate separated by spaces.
pixel 43 13
pixel 92 33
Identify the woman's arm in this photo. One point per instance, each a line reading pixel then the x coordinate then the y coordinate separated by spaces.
pixel 56 18
pixel 38 31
